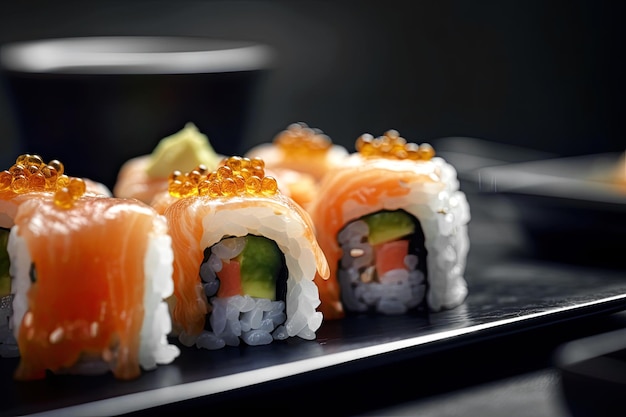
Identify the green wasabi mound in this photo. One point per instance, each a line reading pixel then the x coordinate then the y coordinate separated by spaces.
pixel 183 151
pixel 386 226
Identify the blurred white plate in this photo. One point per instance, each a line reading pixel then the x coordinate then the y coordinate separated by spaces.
pixel 591 178
pixel 572 208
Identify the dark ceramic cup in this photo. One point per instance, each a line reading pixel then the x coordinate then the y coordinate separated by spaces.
pixel 95 102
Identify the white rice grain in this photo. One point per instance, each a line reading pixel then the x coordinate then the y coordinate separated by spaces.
pixel 154 347
pixel 257 337
pixel 19 271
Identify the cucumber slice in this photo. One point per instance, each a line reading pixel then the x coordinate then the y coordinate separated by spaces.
pixel 386 226
pixel 260 261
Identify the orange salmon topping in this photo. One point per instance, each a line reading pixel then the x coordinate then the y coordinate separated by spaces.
pixel 30 173
pixel 235 176
pixel 230 279
pixel 390 256
pixel 393 146
pixel 301 140
pixel 86 299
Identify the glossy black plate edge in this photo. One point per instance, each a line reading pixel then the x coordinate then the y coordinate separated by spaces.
pixel 220 391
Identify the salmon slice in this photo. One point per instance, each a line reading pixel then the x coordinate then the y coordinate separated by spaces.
pixel 390 256
pixel 86 296
pixel 134 182
pixel 10 201
pixel 230 279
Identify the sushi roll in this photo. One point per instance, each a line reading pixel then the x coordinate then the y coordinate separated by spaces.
pixel 145 176
pixel 245 259
pixel 393 225
pixel 299 157
pixel 90 274
pixel 28 178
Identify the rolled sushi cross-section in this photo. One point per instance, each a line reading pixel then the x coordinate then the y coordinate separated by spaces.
pixel 393 225
pixel 245 259
pixel 89 284
pixel 383 266
pixel 30 177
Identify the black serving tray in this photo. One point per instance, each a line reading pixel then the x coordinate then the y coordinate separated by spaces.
pixel 361 362
pixel 506 297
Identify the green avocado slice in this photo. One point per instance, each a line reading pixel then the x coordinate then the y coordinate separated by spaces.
pixel 260 262
pixel 386 226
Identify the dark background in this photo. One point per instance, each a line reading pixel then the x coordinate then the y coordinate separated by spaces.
pixel 542 74
pixel 545 74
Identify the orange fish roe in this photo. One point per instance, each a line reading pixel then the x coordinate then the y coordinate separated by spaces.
pixel 30 173
pixel 236 176
pixel 393 146
pixel 301 140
